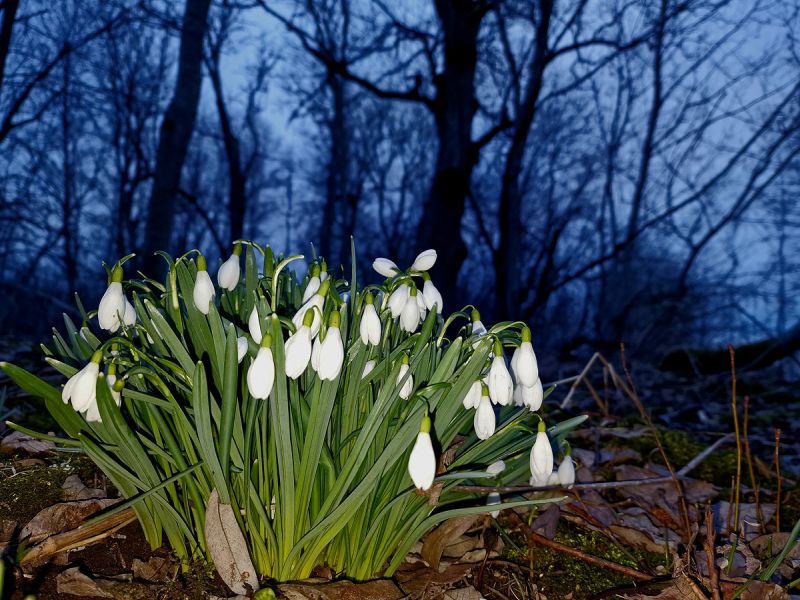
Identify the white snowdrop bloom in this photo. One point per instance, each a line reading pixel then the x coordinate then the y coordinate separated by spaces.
pixel 385 267
pixel 368 367
pixel 314 305
pixel 524 364
pixel 492 499
pixel 516 397
pixel 423 310
pixel 81 389
pixel 398 300
pixel 496 467
pixel 566 472
pixel 261 374
pixel 129 318
pixel 431 295
pixel 484 420
pixel 241 348
pixel 111 379
pixel 541 457
pixel 229 271
pixel 424 261
pixel 409 318
pixel 370 326
pixel 501 388
pixel 254 325
pixel 313 284
pixel 316 349
pixel 112 305
pixel 331 350
pixel 203 293
pixel 532 396
pixel 422 460
pixel 298 350
pixel 473 396
pixel 323 270
pixel 408 386
pixel 477 325
pixel 92 414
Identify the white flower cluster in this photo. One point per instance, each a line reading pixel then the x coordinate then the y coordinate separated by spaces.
pixel 405 302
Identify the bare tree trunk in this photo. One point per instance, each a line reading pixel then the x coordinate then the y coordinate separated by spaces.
pixel 508 253
pixel 9 14
pixel 68 200
pixel 454 109
pixel 237 202
pixel 176 132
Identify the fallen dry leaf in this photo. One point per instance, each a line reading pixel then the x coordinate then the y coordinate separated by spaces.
pixel 20 442
pixel 74 489
pixel 61 517
pixel 72 581
pixel 447 533
pixel 748 517
pixel 156 569
pixel 418 580
pixel 228 548
pixel 465 593
pixel 378 589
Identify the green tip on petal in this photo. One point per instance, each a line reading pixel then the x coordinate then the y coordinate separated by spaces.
pixel 413 291
pixel 308 318
pixel 405 359
pixel 119 384
pixel 116 275
pixel 475 315
pixel 97 356
pixel 498 348
pixel 201 263
pixel 526 334
pixel 335 319
pixel 323 264
pixel 315 270
pixel 266 341
pixel 425 276
pixel 425 426
pixel 237 249
pixel 542 426
pixel 484 389
pixel 369 299
pixel 324 287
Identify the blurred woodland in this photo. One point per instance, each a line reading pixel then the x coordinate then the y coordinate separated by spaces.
pixel 603 169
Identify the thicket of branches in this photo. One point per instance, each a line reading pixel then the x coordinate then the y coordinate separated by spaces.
pixel 604 169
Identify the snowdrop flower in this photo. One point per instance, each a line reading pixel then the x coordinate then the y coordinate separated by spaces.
pixel 331 350
pixel 112 306
pixel 203 293
pixel 431 295
pixel 516 397
pixel 323 270
pixel 261 374
pixel 424 261
pixel 422 461
pixel 368 367
pixel 541 457
pixel 229 271
pixel 408 386
pixel 129 318
pixel 254 325
pixel 532 396
pixel 484 421
pixel 114 388
pixel 370 326
pixel 492 499
pixel 501 387
pixel 524 364
pixel 298 348
pixel 496 467
pixel 316 348
pixel 313 284
pixel 423 310
pixel 398 300
pixel 241 348
pixel 81 389
pixel 477 326
pixel 409 318
pixel 473 397
pixel 566 472
pixel 313 306
pixel 385 267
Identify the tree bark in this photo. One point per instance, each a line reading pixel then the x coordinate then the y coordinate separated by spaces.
pixel 9 14
pixel 507 256
pixel 176 132
pixel 454 108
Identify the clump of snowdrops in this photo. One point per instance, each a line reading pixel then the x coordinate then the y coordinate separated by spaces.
pixel 313 421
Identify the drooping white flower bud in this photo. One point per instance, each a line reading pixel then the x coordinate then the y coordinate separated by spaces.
pixel 422 460
pixel 111 310
pixel 313 306
pixel 385 267
pixel 473 396
pixel 408 386
pixel 532 396
pixel 298 349
pixel 484 420
pixel 370 327
pixel 566 472
pixel 254 325
pixel 203 293
pixel 524 364
pixel 496 467
pixel 323 270
pixel 261 374
pixel 492 499
pixel 398 300
pixel 331 350
pixel 81 389
pixel 241 348
pixel 129 318
pixel 541 457
pixel 501 387
pixel 316 351
pixel 409 318
pixel 424 261
pixel 229 271
pixel 313 284
pixel 431 294
pixel 368 367
pixel 423 310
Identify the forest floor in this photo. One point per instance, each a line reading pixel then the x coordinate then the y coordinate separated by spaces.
pixel 658 463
